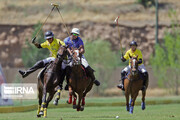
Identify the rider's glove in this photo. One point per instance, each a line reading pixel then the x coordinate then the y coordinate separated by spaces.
pixel 139 61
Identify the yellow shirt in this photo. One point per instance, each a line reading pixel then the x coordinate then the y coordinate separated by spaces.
pixel 133 54
pixel 53 47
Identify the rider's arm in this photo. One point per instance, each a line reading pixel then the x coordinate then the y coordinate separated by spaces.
pixel 125 57
pixel 37 45
pixel 81 49
pixel 140 57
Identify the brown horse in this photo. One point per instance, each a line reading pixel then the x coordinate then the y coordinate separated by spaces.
pixel 79 82
pixel 132 84
pixel 49 80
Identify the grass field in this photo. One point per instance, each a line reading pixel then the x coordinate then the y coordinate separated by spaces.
pixel 152 112
pixel 101 100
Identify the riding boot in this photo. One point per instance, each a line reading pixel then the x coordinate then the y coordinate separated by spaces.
pixel 121 86
pixel 39 64
pixel 145 81
pixel 90 73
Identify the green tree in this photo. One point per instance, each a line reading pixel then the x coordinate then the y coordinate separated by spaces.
pixel 30 54
pixel 166 62
pixel 146 3
pixel 102 59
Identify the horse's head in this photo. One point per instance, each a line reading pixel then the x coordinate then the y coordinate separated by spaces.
pixel 134 65
pixel 62 52
pixel 76 57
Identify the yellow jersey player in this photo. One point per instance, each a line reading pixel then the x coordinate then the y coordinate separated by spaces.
pixel 133 51
pixel 52 44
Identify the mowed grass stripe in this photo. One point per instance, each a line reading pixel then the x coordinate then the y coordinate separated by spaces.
pixel 92 102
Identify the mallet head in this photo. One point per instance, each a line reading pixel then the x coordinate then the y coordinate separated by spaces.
pixel 116 20
pixel 55 5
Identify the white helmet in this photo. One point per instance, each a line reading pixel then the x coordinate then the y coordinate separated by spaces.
pixel 76 31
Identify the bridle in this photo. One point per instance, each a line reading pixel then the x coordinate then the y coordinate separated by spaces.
pixel 134 66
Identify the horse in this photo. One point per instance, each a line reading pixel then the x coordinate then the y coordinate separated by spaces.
pixel 133 84
pixel 49 80
pixel 79 82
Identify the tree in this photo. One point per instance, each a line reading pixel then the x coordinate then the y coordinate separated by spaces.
pixel 166 62
pixel 146 3
pixel 30 54
pixel 102 59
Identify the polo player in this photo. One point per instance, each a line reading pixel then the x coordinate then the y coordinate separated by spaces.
pixel 133 51
pixel 53 45
pixel 74 41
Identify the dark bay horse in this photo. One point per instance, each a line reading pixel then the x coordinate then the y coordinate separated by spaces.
pixel 133 84
pixel 49 80
pixel 79 82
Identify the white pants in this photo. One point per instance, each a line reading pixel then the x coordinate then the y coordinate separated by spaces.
pixel 48 60
pixel 140 68
pixel 83 59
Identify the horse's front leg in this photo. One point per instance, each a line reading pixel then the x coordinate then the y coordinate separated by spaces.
pixel 143 106
pixel 133 99
pixel 40 101
pixel 83 103
pixel 43 105
pixel 57 96
pixel 74 101
pixel 80 95
pixel 127 100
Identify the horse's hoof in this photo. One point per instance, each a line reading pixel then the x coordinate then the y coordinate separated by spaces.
pixel 41 113
pixel 127 108
pixel 82 108
pixel 55 102
pixel 38 116
pixel 143 105
pixel 78 109
pixel 131 110
pixel 74 106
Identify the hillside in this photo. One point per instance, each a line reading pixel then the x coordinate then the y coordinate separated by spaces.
pixel 94 18
pixel 31 11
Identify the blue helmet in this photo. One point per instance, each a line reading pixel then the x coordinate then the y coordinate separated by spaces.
pixel 48 35
pixel 133 43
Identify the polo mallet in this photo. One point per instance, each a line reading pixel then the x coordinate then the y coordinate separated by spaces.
pixel 57 7
pixel 116 20
pixel 33 40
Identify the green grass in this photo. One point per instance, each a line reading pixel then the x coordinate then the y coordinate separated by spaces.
pixel 152 112
pixel 99 100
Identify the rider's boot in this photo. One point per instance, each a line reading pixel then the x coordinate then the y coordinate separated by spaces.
pixel 145 81
pixel 39 64
pixel 121 86
pixel 90 73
